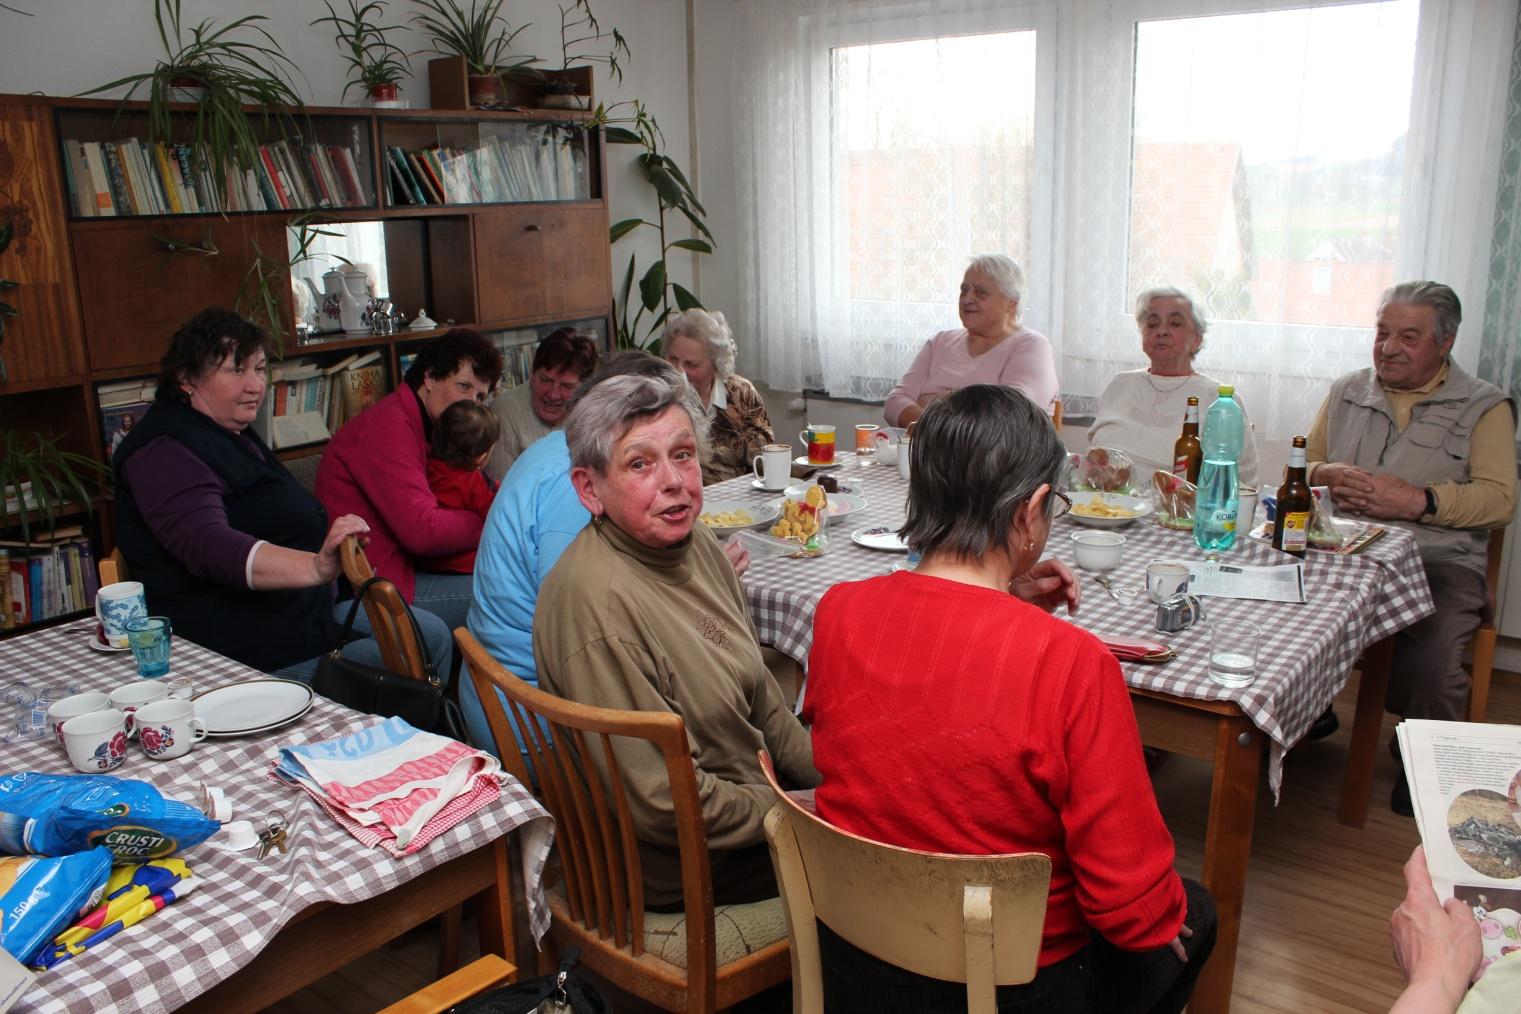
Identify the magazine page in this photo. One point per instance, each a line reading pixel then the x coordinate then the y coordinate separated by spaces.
pixel 1465 779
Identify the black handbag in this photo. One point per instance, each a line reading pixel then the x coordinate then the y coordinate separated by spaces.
pixel 421 703
pixel 560 993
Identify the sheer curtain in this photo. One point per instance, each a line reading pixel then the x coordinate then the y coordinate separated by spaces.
pixel 1284 160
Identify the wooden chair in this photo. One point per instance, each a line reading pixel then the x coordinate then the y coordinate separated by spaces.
pixel 1056 414
pixel 486 972
pixel 698 960
pixel 113 568
pixel 400 649
pixel 971 919
pixel 1482 647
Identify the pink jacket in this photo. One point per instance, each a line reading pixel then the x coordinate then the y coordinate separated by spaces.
pixel 376 466
pixel 1023 361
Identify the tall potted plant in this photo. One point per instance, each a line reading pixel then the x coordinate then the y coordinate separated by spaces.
pixel 480 36
pixel 221 69
pixel 376 63
pixel 581 34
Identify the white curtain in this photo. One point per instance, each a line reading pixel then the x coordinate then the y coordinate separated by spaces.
pixel 1284 160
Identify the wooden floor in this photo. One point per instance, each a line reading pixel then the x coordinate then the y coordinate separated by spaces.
pixel 1315 933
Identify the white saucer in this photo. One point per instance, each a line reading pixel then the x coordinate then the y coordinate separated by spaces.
pixel 802 459
pixel 757 484
pixel 840 504
pixel 99 645
pixel 883 537
pixel 800 489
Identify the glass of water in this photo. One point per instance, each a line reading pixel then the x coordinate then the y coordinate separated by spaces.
pixel 1233 652
pixel 150 639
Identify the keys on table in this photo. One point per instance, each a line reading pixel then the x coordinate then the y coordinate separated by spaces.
pixel 272 838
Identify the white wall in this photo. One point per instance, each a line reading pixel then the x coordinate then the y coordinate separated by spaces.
pixel 69 46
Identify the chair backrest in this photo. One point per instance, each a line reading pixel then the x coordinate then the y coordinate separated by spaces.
pixel 1492 570
pixel 594 829
pixel 113 568
pixel 1056 413
pixel 400 649
pixel 972 919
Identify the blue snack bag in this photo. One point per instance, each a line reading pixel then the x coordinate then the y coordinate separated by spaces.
pixel 58 815
pixel 40 897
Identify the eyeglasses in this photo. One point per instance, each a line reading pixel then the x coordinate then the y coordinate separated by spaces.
pixel 1063 504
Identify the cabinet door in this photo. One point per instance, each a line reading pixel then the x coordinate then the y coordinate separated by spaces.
pixel 536 263
pixel 42 341
pixel 135 296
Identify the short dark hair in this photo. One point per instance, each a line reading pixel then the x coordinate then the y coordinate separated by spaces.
pixel 442 357
pixel 566 349
pixel 628 363
pixel 466 430
pixel 977 455
pixel 200 346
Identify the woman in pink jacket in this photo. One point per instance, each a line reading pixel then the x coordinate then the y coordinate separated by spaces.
pixel 376 466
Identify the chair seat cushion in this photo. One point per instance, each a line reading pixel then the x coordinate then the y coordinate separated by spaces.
pixel 738 931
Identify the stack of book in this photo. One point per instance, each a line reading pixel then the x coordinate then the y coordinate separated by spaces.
pixel 122 406
pixel 307 402
pixel 49 576
pixel 551 167
pixel 133 177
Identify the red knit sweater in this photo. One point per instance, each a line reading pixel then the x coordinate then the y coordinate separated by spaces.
pixel 949 718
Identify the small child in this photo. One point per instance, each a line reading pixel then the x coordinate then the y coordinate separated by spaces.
pixel 462 441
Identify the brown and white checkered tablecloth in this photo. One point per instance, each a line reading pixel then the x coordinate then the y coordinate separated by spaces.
pixel 1305 657
pixel 242 901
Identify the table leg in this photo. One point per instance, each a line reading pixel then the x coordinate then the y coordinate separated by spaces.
pixel 1366 728
pixel 1227 848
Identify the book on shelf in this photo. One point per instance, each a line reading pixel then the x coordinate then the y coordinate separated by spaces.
pixel 122 406
pixel 45 578
pixel 538 164
pixel 1465 786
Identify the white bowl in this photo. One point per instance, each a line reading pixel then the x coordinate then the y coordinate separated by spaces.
pixel 761 514
pixel 1098 551
pixel 1112 501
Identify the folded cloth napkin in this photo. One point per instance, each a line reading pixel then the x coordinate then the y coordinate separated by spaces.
pixel 392 785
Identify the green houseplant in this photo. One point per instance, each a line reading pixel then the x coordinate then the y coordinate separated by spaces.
pixel 36 475
pixel 221 69
pixel 483 38
pixel 376 63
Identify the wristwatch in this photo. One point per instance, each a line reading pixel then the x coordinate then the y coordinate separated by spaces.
pixel 1431 506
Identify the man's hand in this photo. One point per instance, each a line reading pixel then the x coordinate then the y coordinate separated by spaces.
pixel 1436 946
pixel 1373 495
pixel 1047 585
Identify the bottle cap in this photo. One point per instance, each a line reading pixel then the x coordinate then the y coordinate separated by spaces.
pixel 1227 390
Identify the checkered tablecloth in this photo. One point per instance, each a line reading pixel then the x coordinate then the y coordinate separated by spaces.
pixel 1306 654
pixel 242 901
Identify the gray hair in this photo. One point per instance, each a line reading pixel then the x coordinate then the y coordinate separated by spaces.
pixel 606 413
pixel 977 456
pixel 1005 272
pixel 710 328
pixel 1143 306
pixel 1442 300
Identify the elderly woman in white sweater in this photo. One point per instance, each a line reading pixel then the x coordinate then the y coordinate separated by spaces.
pixel 1141 411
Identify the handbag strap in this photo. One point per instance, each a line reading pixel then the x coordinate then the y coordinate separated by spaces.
pixel 422 645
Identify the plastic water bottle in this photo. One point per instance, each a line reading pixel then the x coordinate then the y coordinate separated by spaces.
pixel 1215 506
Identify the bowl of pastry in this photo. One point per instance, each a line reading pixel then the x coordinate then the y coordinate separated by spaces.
pixel 725 517
pixel 1107 510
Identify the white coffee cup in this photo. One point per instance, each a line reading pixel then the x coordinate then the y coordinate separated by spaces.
pixel 168 728
pixel 68 707
pixel 905 444
pixel 1246 508
pixel 129 698
pixel 1165 579
pixel 96 741
pixel 773 466
pixel 116 605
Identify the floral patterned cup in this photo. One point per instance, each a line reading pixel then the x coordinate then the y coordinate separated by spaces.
pixel 169 728
pixel 96 742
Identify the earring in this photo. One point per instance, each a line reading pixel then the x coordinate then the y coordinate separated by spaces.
pixel 1030 546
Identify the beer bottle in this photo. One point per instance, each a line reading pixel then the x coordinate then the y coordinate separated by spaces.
pixel 1291 527
pixel 1187 452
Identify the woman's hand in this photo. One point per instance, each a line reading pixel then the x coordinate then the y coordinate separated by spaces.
pixel 326 565
pixel 738 556
pixel 1437 946
pixel 1176 943
pixel 1047 585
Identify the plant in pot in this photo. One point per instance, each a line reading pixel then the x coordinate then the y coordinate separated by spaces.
pixel 376 63
pixel 221 69
pixel 579 33
pixel 483 38
pixel 38 477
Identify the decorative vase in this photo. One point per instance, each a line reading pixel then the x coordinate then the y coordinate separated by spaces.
pixel 383 92
pixel 485 91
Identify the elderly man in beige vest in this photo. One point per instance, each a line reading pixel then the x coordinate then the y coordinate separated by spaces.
pixel 1416 442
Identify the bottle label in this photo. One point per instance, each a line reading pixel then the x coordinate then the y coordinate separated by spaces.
pixel 1180 466
pixel 1224 519
pixel 1296 532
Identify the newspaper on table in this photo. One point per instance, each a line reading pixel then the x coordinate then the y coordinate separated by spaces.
pixel 1279 583
pixel 1464 783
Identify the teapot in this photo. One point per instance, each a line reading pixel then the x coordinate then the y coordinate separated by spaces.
pixel 354 300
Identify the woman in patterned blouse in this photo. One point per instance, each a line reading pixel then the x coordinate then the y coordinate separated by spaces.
pixel 700 344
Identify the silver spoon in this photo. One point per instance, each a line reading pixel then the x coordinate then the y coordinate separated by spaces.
pixel 1124 596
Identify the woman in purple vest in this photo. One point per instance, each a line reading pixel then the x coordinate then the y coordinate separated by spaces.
pixel 226 542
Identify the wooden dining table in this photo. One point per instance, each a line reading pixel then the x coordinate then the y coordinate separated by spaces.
pixel 1308 651
pixel 258 929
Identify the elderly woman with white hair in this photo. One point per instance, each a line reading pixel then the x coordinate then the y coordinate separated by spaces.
pixel 990 347
pixel 615 627
pixel 700 344
pixel 1141 411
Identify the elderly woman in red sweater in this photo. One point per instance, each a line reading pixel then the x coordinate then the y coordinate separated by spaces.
pixel 376 466
pixel 1010 729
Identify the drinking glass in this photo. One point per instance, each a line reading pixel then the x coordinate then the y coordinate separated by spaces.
pixel 1233 652
pixel 149 639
